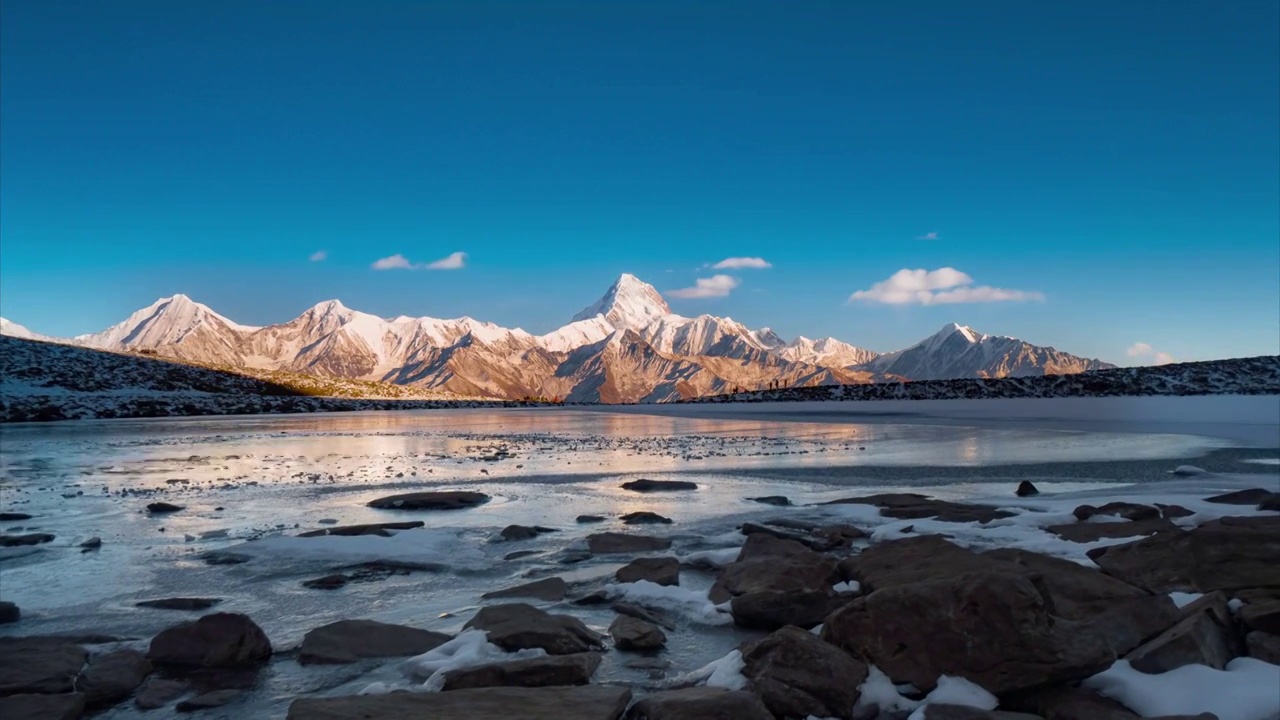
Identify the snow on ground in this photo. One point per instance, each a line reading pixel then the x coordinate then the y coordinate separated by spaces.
pixel 1248 689
pixel 956 691
pixel 723 673
pixel 1248 419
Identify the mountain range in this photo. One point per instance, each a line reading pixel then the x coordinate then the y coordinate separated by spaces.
pixel 628 346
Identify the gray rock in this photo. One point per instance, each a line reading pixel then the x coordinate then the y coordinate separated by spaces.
pixel 379 529
pixel 551 670
pixel 449 500
pixel 113 677
pixel 610 543
pixel 1261 610
pixel 912 506
pixel 9 613
pixel 631 633
pixel 796 674
pixel 590 519
pixel 518 626
pixel 586 702
pixel 161 508
pixel 1264 646
pixel 25 540
pixel 644 517
pixel 181 603
pixel 778 500
pixel 645 486
pixel 1026 488
pixel 156 693
pixel 209 700
pixel 552 588
pixel 39 665
pixel 92 543
pixel 220 640
pixel 1084 532
pixel 67 706
pixel 347 641
pixel 660 570
pixel 1226 554
pixel 700 703
pixel 1204 637
pixel 512 533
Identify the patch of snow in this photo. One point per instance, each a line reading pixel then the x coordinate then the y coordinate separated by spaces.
pixel 956 691
pixel 1246 690
pixel 692 604
pixel 1234 604
pixel 714 558
pixel 1264 461
pixel 1183 599
pixel 851 586
pixel 879 691
pixel 723 673
pixel 471 648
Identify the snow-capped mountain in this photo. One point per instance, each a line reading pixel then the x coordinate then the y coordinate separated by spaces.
pixel 957 351
pixel 626 347
pixel 13 329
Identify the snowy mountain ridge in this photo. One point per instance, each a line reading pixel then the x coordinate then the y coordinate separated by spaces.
pixel 627 346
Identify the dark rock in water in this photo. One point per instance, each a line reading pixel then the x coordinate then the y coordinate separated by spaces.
pixel 160 508
pixel 156 693
pixel 209 700
pixel 28 539
pixel 660 570
pixel 820 539
pixel 113 677
pixel 379 529
pixel 700 703
pixel 45 665
pixel 552 670
pixel 1206 636
pixel 92 543
pixel 180 603
pixel 631 633
pixel 616 543
pixel 1084 532
pixel 552 588
pixel 224 558
pixel 328 582
pixel 792 671
pixel 999 629
pixel 220 640
pixel 642 613
pixel 586 702
pixel 1252 496
pixel 449 500
pixel 644 486
pixel 770 610
pixel 1263 646
pixel 1225 554
pixel 590 518
pixel 1272 503
pixel 645 518
pixel 347 641
pixel 67 706
pixel 519 626
pixel 520 532
pixel 9 613
pixel 769 564
pixel 1126 510
pixel 911 506
pixel 520 554
pixel 779 500
pixel 1026 488
pixel 13 516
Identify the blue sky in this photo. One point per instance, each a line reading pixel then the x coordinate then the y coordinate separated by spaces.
pixel 1088 175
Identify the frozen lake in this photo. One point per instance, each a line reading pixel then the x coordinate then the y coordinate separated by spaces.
pixel 256 478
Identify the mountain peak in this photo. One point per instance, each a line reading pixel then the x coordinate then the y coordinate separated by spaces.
pixel 629 303
pixel 952 328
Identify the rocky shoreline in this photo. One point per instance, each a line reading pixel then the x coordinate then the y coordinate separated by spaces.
pixel 875 612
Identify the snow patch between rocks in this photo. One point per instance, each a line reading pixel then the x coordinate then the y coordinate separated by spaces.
pixel 1246 690
pixel 692 604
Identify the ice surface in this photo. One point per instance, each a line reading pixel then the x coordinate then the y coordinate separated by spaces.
pixel 1248 689
pixel 471 648
pixel 692 604
pixel 430 547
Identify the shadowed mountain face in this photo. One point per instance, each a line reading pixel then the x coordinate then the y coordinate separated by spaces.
pixel 626 347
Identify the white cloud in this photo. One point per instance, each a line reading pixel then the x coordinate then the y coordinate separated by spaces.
pixel 742 263
pixel 944 286
pixel 319 256
pixel 453 261
pixel 714 286
pixel 1143 351
pixel 928 236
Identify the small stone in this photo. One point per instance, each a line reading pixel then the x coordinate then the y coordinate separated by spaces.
pixel 660 570
pixel 92 543
pixel 1026 489
pixel 645 518
pixel 644 486
pixel 778 500
pixel 9 612
pixel 328 582
pixel 160 508
pixel 630 633
pixel 552 588
pixel 512 533
pixel 449 500
pixel 590 519
pixel 180 603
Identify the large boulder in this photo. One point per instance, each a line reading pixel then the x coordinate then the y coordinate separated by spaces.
pixel 1226 554
pixel 799 675
pixel 914 506
pixel 631 633
pixel 518 626
pixel 910 560
pixel 659 570
pixel 220 640
pixel 773 610
pixel 552 588
pixel 1205 636
pixel 447 500
pixel 996 629
pixel 777 582
pixel 611 543
pixel 575 669
pixel 347 641
pixel 113 677
pixel 700 703
pixel 67 706
pixel 39 665
pixel 588 702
